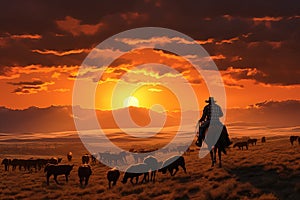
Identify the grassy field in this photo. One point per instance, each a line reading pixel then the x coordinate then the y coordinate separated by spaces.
pixel 265 171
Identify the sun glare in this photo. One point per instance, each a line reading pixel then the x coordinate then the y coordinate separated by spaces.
pixel 131 101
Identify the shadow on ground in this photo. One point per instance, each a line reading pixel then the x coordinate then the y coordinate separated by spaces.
pixel 279 180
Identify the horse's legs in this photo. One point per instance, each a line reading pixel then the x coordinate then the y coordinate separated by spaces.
pixel 212 158
pixel 220 157
pixel 183 167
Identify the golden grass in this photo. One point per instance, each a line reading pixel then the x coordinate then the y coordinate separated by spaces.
pixel 265 171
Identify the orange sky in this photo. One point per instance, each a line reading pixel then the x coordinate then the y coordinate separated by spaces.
pixel 254 47
pixel 42 86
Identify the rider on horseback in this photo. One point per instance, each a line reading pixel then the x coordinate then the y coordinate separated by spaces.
pixel 211 113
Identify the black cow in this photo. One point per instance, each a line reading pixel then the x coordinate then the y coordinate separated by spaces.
pixel 84 173
pixel 134 171
pixel 252 141
pixel 173 163
pixel 85 159
pixel 58 170
pixel 6 162
pixel 241 145
pixel 112 176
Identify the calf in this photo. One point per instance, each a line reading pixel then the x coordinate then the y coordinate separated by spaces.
pixel 173 163
pixel 263 139
pixel 112 176
pixel 56 170
pixel 85 159
pixel 84 173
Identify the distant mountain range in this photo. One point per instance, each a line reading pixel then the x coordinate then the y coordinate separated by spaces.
pixel 60 118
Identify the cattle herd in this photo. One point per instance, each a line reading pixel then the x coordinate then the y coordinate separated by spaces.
pixel 146 164
pixel 246 142
pixel 29 164
pixel 53 167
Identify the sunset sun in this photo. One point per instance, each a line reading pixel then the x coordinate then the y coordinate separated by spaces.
pixel 131 101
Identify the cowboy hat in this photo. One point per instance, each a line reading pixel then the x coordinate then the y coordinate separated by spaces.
pixel 210 99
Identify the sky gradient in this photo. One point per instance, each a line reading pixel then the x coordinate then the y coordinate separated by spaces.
pixel 254 44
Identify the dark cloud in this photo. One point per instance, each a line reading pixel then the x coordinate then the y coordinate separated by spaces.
pixel 27 83
pixel 269 113
pixel 27 89
pixel 40 25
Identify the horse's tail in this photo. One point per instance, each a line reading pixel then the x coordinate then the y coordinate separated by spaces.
pixel 224 140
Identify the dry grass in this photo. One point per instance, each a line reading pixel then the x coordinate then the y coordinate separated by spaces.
pixel 265 171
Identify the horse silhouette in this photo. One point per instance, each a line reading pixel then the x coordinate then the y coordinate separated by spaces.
pixel 221 143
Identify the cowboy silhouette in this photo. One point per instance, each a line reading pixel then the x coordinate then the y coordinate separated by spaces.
pixel 211 113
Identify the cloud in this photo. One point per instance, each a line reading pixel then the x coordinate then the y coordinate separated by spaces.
pixel 61 53
pixel 154 90
pixel 154 41
pixel 27 36
pixel 133 17
pixel 242 73
pixel 75 27
pixel 267 21
pixel 218 57
pixel 263 34
pixel 62 90
pixel 33 87
pixel 10 73
pixel 37 82
pixel 269 113
pixel 208 41
pixel 228 41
